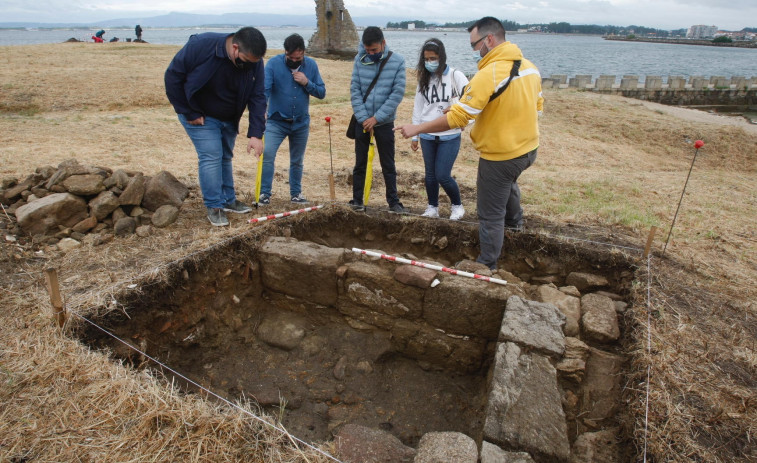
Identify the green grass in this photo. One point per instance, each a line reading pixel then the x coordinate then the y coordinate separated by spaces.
pixel 606 201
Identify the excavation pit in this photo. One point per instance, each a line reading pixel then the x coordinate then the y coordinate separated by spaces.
pixel 320 336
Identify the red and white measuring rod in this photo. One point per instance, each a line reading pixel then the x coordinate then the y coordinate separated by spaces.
pixel 438 268
pixel 285 214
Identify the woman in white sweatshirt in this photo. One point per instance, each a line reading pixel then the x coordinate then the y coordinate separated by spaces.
pixel 439 86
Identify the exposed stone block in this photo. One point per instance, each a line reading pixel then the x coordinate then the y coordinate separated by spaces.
pixel 435 447
pixel 300 269
pixel 534 324
pixel 521 383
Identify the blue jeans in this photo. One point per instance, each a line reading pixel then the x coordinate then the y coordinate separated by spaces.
pixel 275 133
pixel 214 143
pixel 498 202
pixel 439 156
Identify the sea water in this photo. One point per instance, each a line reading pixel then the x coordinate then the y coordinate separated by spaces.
pixel 551 53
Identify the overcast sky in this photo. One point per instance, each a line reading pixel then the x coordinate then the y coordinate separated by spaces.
pixel 663 14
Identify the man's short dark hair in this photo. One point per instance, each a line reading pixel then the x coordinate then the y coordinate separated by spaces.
pixel 250 41
pixel 371 35
pixel 489 25
pixel 293 43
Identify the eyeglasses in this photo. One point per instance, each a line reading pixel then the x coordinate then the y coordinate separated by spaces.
pixel 473 44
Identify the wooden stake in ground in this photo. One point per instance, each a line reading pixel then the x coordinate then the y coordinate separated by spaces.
pixel 331 158
pixel 53 288
pixel 697 144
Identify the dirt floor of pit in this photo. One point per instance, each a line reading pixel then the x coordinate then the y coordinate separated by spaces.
pixel 336 375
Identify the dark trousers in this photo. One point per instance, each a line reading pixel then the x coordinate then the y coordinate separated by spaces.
pixel 384 136
pixel 498 199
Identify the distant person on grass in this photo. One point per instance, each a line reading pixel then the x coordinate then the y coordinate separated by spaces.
pixel 290 80
pixel 210 82
pixel 439 85
pixel 138 32
pixel 376 113
pixel 504 98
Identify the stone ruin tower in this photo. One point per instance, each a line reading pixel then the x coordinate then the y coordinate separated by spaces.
pixel 335 35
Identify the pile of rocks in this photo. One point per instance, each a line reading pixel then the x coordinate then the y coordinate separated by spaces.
pixel 74 203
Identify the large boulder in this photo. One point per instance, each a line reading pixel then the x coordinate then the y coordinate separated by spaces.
pixel 599 319
pixel 164 189
pixel 522 382
pixel 84 185
pixel 300 269
pixel 490 453
pixel 372 285
pixel 597 447
pixel 534 324
pixel 46 214
pixel 102 205
pixel 165 216
pixel 444 447
pixel 601 390
pixel 468 307
pixel 134 192
pixel 584 281
pixel 360 444
pixel 569 305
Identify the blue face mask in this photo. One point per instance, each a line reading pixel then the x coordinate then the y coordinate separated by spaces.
pixel 431 66
pixel 376 57
pixel 477 54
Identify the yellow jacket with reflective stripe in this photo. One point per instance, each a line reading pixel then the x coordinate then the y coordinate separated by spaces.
pixel 506 127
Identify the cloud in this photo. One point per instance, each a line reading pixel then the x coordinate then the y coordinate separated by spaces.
pixel 666 14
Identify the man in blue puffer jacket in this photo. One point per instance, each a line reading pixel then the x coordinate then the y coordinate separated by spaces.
pixel 377 113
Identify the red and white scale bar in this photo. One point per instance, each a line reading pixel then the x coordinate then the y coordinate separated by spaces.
pixel 438 268
pixel 285 214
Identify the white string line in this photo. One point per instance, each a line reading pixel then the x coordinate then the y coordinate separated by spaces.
pixel 226 401
pixel 649 349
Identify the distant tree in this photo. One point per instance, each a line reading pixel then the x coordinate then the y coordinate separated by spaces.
pixel 750 29
pixel 722 39
pixel 559 28
pixel 510 25
pixel 403 24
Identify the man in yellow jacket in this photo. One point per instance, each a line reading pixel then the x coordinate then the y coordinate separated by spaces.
pixel 505 100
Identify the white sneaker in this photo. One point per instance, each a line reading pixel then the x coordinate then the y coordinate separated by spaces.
pixel 457 212
pixel 431 211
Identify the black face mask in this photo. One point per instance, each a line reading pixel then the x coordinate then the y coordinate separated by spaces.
pixel 293 64
pixel 243 65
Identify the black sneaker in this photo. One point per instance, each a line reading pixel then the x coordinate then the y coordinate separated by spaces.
pixel 217 217
pixel 300 198
pixel 237 207
pixel 356 206
pixel 264 199
pixel 397 208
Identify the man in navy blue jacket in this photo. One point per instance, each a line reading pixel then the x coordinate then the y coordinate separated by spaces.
pixel 210 82
pixel 290 79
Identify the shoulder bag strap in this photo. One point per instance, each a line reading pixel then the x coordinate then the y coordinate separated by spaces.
pixel 375 79
pixel 513 73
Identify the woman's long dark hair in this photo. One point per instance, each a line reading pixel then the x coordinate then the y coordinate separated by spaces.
pixel 424 76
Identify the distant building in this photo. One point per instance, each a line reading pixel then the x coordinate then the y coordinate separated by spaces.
pixel 411 26
pixel 701 32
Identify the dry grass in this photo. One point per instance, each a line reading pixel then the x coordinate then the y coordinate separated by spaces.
pixel 605 163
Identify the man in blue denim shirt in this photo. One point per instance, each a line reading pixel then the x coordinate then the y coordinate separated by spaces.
pixel 290 80
pixel 209 82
